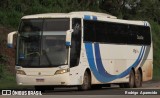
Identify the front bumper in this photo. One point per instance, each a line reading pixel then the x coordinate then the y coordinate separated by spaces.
pixel 59 79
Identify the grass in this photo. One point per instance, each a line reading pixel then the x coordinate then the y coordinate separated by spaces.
pixel 11 84
pixel 8 81
pixel 10 18
pixel 156 50
pixel 7 84
pixel 156 74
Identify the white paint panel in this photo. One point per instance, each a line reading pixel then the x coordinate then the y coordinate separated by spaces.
pixel 119 52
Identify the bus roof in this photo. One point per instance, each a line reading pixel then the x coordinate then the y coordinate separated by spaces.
pixel 71 14
pixel 81 14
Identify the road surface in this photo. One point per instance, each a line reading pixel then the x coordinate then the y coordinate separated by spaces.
pixel 113 90
pixel 110 92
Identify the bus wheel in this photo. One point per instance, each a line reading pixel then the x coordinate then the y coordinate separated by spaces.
pixel 86 82
pixel 138 79
pixel 131 80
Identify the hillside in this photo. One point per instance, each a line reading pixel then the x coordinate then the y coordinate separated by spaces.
pixel 7 56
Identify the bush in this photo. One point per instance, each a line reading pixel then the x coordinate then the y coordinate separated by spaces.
pixel 156 50
pixel 10 18
pixel 1 70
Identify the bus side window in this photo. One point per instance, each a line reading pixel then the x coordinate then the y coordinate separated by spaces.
pixel 76 43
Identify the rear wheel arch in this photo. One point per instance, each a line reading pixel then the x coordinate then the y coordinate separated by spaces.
pixel 89 72
pixel 140 69
pixel 133 69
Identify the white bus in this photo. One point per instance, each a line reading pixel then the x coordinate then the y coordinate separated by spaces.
pixel 83 49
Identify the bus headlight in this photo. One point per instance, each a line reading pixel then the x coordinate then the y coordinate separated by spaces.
pixel 62 71
pixel 21 72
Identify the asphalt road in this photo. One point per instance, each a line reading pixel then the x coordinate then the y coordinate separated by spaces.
pixel 113 90
pixel 110 92
pixel 82 96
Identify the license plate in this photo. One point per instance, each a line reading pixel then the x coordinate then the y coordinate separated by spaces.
pixel 39 80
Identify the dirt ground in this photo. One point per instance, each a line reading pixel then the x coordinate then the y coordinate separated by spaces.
pixel 7 53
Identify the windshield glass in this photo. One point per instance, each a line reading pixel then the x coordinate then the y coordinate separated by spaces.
pixel 41 43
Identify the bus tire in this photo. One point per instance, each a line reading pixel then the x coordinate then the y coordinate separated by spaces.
pixel 131 80
pixel 138 79
pixel 86 82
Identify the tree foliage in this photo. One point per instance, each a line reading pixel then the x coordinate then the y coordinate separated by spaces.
pixel 131 9
pixel 12 10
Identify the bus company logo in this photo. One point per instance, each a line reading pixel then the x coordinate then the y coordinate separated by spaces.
pixel 6 92
pixel 135 51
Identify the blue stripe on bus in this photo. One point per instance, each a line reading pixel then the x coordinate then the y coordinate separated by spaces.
pixel 68 43
pixel 94 18
pixel 135 64
pixel 87 17
pixel 10 45
pixel 100 66
pixel 101 74
pixel 90 57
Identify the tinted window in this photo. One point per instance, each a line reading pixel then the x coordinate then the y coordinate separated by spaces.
pixel 56 24
pixel 42 42
pixel 89 29
pixel 106 32
pixel 76 42
pixel 54 51
pixel 31 25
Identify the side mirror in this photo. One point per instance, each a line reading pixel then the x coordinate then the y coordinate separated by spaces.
pixel 10 39
pixel 68 37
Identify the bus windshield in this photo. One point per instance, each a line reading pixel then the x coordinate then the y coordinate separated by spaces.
pixel 41 43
